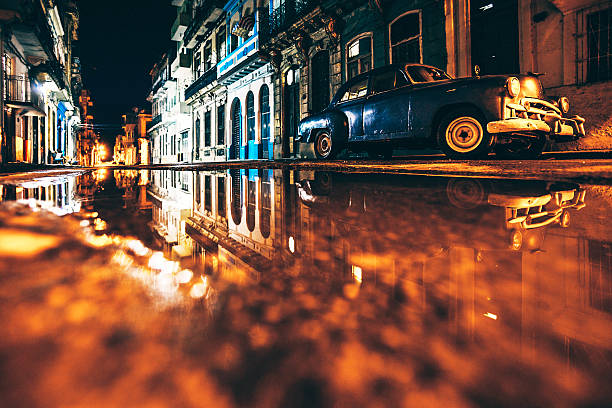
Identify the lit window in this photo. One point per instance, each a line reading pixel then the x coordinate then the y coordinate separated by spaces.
pixel 359 56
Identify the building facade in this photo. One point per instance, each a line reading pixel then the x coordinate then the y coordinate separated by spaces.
pixel 39 114
pixel 170 129
pixel 259 67
pixel 132 146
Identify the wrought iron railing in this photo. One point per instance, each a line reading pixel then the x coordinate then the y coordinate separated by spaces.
pixel 156 121
pixel 19 89
pixel 206 79
pixel 288 12
pixel 202 12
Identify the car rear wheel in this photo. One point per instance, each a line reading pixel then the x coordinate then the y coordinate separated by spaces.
pixel 324 146
pixel 522 149
pixel 461 135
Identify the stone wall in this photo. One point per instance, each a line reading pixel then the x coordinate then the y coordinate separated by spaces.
pixel 591 102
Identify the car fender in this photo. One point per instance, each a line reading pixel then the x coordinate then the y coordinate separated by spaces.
pixel 333 120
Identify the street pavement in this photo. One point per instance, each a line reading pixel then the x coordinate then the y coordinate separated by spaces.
pixel 593 167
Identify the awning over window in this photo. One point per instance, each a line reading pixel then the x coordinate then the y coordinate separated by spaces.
pixel 243 27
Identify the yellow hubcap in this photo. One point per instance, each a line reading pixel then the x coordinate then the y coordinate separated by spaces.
pixel 464 134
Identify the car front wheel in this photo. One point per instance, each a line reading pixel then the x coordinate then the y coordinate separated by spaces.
pixel 462 135
pixel 324 147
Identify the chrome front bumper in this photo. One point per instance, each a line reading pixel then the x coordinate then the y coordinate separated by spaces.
pixel 538 211
pixel 534 116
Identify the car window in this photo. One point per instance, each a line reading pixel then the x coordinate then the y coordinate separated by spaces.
pixel 383 81
pixel 388 80
pixel 357 90
pixel 420 73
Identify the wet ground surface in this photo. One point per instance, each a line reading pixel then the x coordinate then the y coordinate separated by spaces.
pixel 288 288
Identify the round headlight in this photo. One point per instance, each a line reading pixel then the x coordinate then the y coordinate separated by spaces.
pixel 513 85
pixel 564 104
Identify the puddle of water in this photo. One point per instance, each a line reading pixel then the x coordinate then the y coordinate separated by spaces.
pixel 284 288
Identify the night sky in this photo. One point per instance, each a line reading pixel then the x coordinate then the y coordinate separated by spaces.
pixel 119 41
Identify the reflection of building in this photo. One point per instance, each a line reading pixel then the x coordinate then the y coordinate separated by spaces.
pixel 134 185
pixel 57 194
pixel 233 221
pixel 170 127
pixel 170 192
pixel 36 79
pixel 132 147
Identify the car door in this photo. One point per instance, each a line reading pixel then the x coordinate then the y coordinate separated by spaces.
pixel 386 110
pixel 351 104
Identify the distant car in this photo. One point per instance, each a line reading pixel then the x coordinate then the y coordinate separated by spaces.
pixel 419 106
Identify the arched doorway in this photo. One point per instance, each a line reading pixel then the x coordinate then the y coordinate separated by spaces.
pixel 251 152
pixel 292 110
pixel 236 129
pixel 264 109
pixel 320 81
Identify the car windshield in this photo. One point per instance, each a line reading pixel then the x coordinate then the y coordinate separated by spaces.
pixel 420 73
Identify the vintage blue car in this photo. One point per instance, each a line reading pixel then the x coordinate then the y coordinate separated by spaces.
pixel 418 106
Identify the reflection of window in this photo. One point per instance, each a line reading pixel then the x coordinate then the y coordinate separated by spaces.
pixel 221 125
pixel 405 38
pixel 250 105
pixel 385 81
pixel 265 211
pixel 221 197
pixel 198 186
pixel 600 282
pixel 359 56
pixel 251 192
pixel 207 128
pixel 357 90
pixel 236 196
pixel 207 193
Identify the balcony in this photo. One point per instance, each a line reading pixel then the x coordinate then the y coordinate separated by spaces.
pixel 288 13
pixel 206 13
pixel 21 94
pixel 156 121
pixel 204 80
pixel 183 19
pixel 181 66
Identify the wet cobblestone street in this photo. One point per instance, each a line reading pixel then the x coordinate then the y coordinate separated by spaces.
pixel 277 288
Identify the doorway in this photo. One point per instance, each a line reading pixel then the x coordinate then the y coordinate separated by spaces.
pixel 236 127
pixel 292 110
pixel 320 81
pixel 494 32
